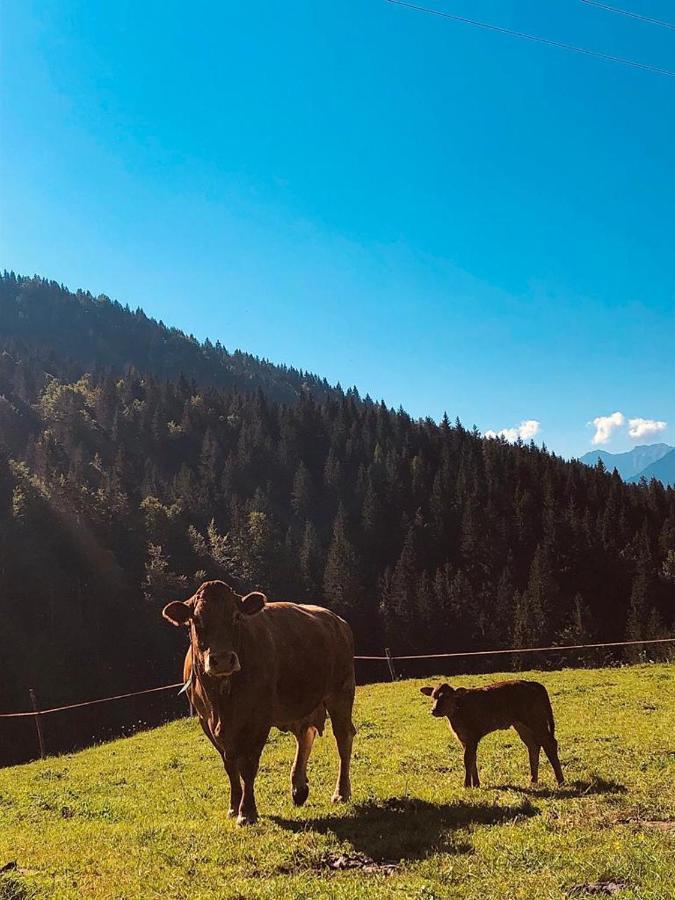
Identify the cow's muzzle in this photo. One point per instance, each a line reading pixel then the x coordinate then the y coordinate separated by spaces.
pixel 220 665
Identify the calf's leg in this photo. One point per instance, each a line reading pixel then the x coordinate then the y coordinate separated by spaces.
pixel 533 752
pixel 340 711
pixel 470 766
pixel 550 746
pixel 299 783
pixel 533 748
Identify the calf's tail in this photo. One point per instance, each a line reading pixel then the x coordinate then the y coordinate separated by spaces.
pixel 549 715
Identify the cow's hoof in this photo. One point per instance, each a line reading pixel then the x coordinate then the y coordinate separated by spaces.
pixel 300 794
pixel 341 797
pixel 247 819
pixel 231 813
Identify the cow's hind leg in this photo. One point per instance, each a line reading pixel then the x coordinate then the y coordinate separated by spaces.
pixel 299 784
pixel 339 709
pixel 533 748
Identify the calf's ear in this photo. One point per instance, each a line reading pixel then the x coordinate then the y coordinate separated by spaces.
pixel 252 603
pixel 177 612
pixel 427 691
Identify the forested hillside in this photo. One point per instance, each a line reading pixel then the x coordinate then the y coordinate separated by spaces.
pixel 96 332
pixel 123 487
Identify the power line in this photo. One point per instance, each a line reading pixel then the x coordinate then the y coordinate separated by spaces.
pixel 632 15
pixel 597 54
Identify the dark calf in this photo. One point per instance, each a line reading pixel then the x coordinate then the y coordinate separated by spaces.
pixel 475 712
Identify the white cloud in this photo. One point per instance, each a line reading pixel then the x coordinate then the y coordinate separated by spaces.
pixel 527 429
pixel 639 428
pixel 605 425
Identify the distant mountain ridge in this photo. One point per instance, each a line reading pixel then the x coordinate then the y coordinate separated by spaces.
pixel 663 469
pixel 644 461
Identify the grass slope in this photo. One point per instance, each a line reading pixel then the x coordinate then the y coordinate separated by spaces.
pixel 145 816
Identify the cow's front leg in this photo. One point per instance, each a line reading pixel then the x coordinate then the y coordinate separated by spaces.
pixel 248 768
pixel 232 769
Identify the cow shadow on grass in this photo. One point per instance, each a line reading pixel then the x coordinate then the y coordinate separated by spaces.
pixel 403 828
pixel 572 789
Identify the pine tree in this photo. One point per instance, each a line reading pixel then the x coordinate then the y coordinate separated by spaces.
pixel 642 622
pixel 462 612
pixel 302 492
pixel 341 582
pixel 311 563
pixel 525 633
pixel 542 595
pixel 579 629
pixel 500 622
pixel 161 584
pixel 403 597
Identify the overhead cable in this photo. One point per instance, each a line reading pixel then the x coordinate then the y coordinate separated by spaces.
pixel 597 54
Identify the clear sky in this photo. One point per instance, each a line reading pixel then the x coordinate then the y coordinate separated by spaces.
pixel 449 218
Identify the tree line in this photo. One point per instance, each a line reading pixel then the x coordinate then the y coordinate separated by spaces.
pixel 123 487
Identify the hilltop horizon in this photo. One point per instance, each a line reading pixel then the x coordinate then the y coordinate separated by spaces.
pixel 525 431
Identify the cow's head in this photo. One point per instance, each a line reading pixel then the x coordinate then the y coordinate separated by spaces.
pixel 444 697
pixel 215 614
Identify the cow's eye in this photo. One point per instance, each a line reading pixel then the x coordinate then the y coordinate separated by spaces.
pixel 199 633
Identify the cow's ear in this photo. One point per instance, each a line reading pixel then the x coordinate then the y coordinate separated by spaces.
pixel 252 603
pixel 177 612
pixel 427 691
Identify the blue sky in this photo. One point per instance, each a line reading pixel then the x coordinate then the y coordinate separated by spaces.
pixel 450 219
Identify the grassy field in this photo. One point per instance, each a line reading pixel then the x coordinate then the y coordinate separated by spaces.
pixel 145 816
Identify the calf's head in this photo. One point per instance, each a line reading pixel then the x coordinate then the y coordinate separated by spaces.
pixel 444 697
pixel 215 614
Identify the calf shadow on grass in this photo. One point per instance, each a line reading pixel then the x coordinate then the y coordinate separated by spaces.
pixel 406 829
pixel 578 788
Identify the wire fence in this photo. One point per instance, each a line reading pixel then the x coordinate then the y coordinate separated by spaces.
pixel 120 724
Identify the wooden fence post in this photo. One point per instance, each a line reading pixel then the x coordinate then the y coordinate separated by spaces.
pixel 38 723
pixel 390 663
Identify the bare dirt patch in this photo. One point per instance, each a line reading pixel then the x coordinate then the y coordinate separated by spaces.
pixel 360 861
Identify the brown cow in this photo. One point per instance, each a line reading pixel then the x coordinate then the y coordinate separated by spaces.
pixel 253 665
pixel 475 712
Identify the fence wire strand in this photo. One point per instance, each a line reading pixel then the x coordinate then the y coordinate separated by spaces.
pixel 455 655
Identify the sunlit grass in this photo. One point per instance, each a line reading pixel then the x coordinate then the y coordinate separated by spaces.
pixel 146 816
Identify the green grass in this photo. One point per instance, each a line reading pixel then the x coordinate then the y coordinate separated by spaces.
pixel 145 816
